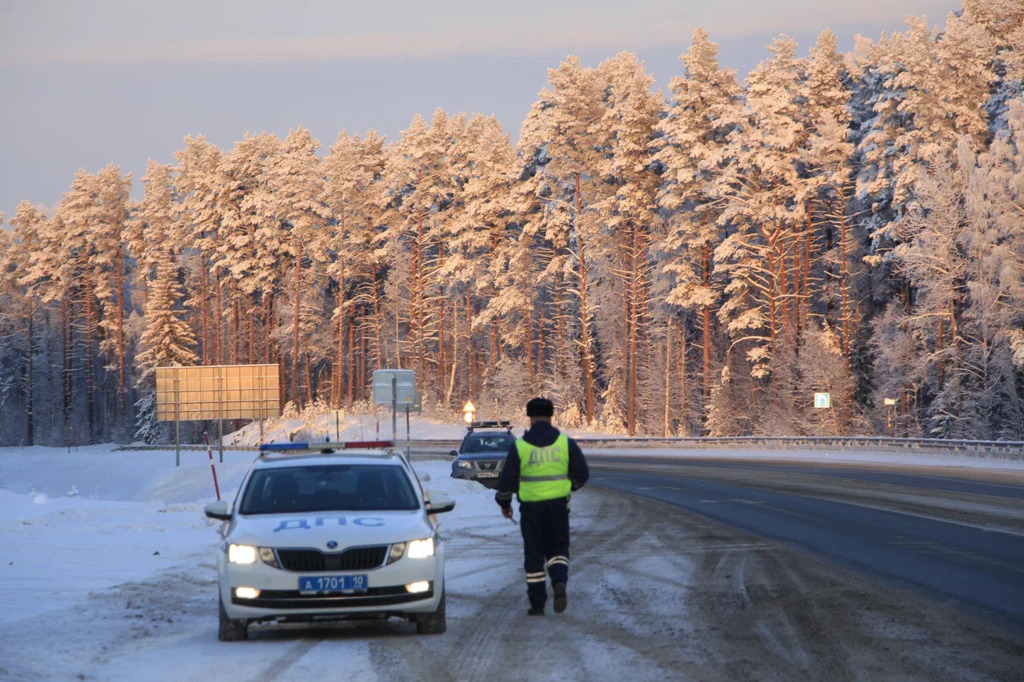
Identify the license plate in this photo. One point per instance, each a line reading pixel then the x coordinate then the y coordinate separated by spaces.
pixel 332 583
pixel 487 474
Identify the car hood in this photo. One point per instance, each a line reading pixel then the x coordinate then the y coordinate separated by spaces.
pixel 317 529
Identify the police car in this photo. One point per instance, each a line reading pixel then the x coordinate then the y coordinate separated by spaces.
pixel 330 531
pixel 482 453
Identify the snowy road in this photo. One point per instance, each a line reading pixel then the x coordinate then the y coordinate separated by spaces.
pixel 121 587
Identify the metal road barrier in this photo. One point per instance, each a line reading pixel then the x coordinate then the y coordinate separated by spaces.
pixel 970 448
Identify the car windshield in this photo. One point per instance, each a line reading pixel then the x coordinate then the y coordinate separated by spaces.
pixel 487 442
pixel 328 487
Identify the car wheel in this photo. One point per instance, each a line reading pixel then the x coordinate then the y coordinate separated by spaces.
pixel 433 623
pixel 231 630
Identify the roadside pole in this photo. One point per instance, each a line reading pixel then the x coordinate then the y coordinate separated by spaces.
pixel 177 424
pixel 209 453
pixel 394 409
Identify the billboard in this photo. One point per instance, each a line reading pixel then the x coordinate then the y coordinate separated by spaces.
pixel 218 392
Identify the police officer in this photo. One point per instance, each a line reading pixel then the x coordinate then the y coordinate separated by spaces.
pixel 542 468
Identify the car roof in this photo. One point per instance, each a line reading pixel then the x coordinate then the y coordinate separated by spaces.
pixel 315 458
pixel 278 455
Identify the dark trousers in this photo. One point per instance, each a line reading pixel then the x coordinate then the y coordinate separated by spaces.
pixel 545 527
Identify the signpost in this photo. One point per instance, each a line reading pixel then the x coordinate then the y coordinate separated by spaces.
pixel 336 417
pixel 890 413
pixel 217 392
pixel 415 406
pixel 822 401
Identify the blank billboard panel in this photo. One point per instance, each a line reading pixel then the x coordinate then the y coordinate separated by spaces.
pixel 218 392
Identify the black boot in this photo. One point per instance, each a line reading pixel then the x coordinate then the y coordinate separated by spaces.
pixel 561 599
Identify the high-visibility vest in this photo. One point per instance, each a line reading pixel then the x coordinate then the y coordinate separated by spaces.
pixel 543 471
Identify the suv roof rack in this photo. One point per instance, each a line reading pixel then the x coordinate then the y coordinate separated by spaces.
pixel 502 424
pixel 327 447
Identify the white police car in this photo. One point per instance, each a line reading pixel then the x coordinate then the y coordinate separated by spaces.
pixel 330 531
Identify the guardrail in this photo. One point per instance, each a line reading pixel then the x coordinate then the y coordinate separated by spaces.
pixel 976 448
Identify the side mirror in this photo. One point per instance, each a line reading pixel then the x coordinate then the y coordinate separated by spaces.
pixel 439 503
pixel 453 453
pixel 218 510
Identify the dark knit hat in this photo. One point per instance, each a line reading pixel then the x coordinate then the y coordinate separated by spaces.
pixel 540 407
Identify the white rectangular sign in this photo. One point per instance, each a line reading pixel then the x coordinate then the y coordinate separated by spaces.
pixel 822 401
pixel 405 386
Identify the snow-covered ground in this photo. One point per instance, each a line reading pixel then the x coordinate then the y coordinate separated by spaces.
pixel 110 549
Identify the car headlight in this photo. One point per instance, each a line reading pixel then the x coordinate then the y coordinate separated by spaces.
pixel 420 549
pixel 463 464
pixel 268 557
pixel 397 550
pixel 242 554
pixel 247 554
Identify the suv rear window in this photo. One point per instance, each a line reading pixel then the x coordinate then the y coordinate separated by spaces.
pixel 328 487
pixel 487 442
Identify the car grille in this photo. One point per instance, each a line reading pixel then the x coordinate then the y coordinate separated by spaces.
pixel 487 466
pixel 313 560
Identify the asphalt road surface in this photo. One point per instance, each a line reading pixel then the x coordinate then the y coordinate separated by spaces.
pixel 953 538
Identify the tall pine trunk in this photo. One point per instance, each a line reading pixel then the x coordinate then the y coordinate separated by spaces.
pixel 91 324
pixel 295 341
pixel 30 391
pixel 121 350
pixel 586 342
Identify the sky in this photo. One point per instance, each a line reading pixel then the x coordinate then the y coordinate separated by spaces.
pixel 107 565
pixel 84 84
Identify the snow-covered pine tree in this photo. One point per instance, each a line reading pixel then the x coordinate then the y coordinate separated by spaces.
pixel 75 258
pixel 199 183
pixel 110 268
pixel 993 318
pixel 252 257
pixel 630 219
pixel 706 108
pixel 541 208
pixel 352 190
pixel 563 125
pixel 763 196
pixel 294 191
pixel 29 224
pixel 484 263
pixel 14 356
pixel 167 341
pixel 419 187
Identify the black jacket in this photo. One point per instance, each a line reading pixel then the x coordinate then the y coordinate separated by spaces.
pixel 540 434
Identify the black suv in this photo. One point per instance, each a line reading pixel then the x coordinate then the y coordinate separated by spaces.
pixel 483 451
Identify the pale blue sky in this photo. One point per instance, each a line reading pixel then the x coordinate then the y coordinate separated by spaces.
pixel 83 84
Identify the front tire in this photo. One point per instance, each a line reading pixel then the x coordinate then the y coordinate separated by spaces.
pixel 231 630
pixel 434 623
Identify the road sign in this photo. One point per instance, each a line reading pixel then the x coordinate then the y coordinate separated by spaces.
pixel 822 401
pixel 404 384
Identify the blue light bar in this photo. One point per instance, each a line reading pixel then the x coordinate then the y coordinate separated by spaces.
pixel 327 447
pixel 283 446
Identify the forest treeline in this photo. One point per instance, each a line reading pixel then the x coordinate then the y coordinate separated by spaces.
pixel 698 262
